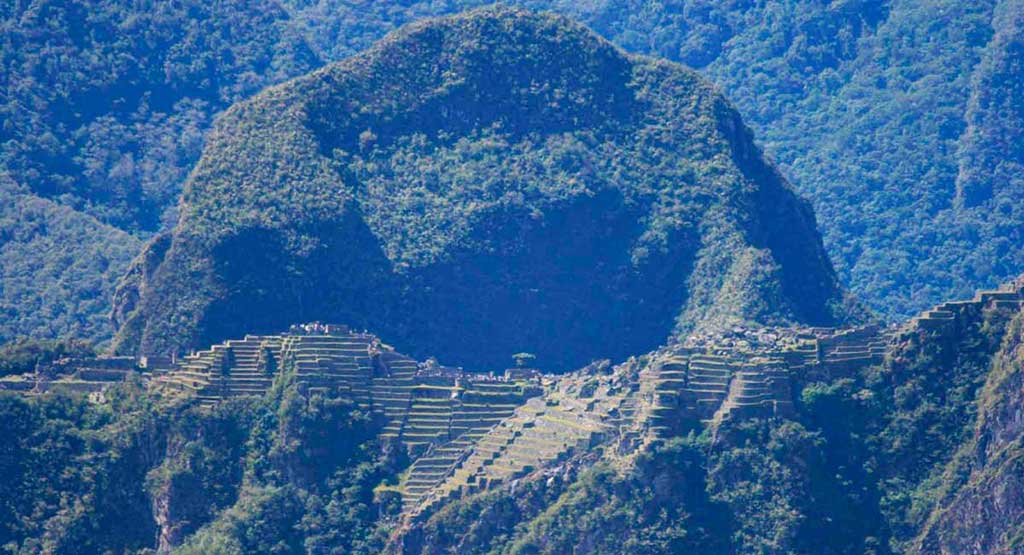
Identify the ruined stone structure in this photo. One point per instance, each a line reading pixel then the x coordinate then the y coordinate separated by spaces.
pixel 468 432
pixel 91 376
pixel 710 380
pixel 946 317
pixel 422 406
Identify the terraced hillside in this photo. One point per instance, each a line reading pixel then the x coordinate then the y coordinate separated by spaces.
pixel 456 441
pixel 421 407
pixel 469 433
pixel 614 412
pixel 710 380
pixel 717 383
pixel 575 414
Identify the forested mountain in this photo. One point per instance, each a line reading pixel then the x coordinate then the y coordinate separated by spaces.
pixel 581 184
pixel 899 120
pixel 58 267
pixel 477 186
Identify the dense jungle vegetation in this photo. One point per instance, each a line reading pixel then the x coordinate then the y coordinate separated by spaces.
pixel 284 474
pixel 901 121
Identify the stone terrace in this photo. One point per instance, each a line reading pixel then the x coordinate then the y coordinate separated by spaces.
pixel 470 432
pixel 947 317
pixel 90 376
pixel 426 409
pixel 576 412
pixel 713 379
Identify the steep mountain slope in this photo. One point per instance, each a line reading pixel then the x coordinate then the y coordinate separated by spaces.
pixel 918 454
pixel 895 118
pixel 46 288
pixel 481 185
pixel 882 112
pixel 980 507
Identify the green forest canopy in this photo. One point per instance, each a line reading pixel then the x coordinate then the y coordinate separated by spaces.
pixel 902 121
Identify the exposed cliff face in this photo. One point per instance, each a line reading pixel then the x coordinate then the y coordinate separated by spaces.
pixel 481 185
pixel 982 511
pixel 125 314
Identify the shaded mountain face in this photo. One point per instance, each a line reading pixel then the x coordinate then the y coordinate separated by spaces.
pixel 484 184
pixel 898 120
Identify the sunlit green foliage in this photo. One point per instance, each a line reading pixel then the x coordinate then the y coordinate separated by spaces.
pixel 279 475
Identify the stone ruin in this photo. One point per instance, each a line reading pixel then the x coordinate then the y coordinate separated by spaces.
pixel 467 432
pixel 91 376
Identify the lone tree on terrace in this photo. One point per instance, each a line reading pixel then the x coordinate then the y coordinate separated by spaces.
pixel 524 360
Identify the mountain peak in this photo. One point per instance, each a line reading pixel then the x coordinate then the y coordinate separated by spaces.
pixel 481 185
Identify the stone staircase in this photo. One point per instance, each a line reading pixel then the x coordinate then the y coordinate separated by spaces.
pixel 428 471
pixel 662 389
pixel 707 385
pixel 846 351
pixel 195 374
pixel 711 384
pixel 421 413
pixel 624 419
pixel 244 376
pixel 468 433
pixel 429 418
pixel 452 431
pixel 538 434
pixel 391 389
pixel 246 367
pixel 337 363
